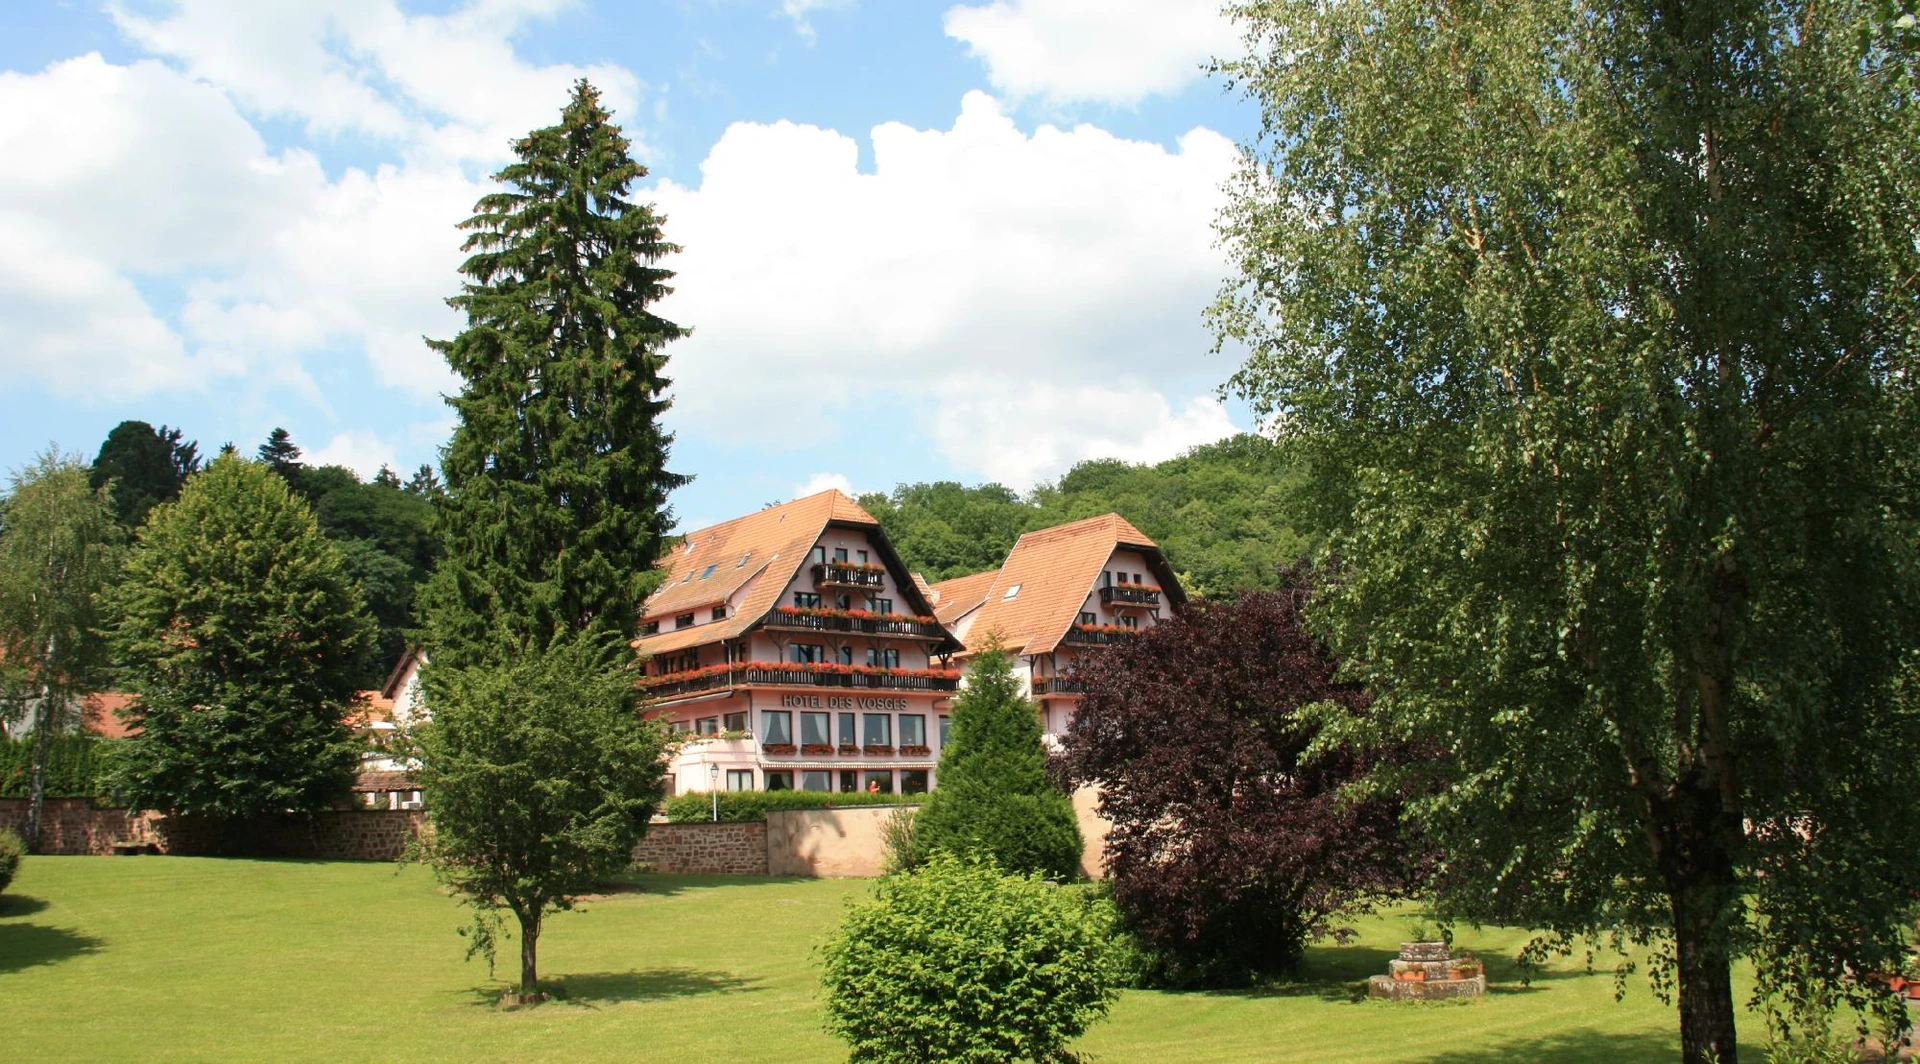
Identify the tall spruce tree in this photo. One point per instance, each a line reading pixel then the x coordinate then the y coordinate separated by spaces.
pixel 282 456
pixel 145 466
pixel 242 635
pixel 994 799
pixel 1597 325
pixel 556 477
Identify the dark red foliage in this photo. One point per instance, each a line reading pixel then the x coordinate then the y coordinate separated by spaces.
pixel 1226 852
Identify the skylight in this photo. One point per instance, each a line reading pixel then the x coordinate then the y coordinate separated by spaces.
pixel 709 571
pixel 1012 591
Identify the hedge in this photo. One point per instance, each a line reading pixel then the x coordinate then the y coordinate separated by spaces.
pixel 78 766
pixel 755 805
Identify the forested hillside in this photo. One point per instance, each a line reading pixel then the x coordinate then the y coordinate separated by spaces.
pixel 1224 513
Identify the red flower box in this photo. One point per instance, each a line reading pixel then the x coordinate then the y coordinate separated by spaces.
pixel 879 751
pixel 848 749
pixel 914 751
pixel 778 748
pixel 811 749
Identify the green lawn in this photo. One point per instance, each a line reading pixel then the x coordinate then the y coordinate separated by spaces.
pixel 159 958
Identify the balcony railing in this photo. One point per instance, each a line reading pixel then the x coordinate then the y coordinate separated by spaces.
pixel 720 677
pixel 849 574
pixel 1130 595
pixel 1058 685
pixel 892 624
pixel 668 687
pixel 1100 634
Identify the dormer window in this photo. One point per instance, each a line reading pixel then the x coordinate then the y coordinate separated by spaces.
pixel 719 613
pixel 650 628
pixel 685 620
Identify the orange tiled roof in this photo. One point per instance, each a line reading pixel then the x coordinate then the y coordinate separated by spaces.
pixel 370 707
pixel 764 550
pixel 952 598
pixel 1056 569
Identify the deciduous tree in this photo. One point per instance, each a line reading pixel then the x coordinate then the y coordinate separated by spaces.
pixel 1597 326
pixel 60 548
pixel 1232 840
pixel 240 632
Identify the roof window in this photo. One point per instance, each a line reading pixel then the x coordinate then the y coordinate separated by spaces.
pixel 1012 591
pixel 743 560
pixel 709 571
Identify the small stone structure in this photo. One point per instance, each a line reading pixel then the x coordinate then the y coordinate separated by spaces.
pixel 76 826
pixel 1427 971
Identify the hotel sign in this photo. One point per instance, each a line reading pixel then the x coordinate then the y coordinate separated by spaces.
pixel 842 702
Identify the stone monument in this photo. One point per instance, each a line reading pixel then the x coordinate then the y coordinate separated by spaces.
pixel 1428 971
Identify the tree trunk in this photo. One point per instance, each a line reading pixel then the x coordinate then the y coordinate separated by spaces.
pixel 529 942
pixel 1705 980
pixel 37 789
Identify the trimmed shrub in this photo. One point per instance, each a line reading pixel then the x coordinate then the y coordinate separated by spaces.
pixel 961 962
pixel 12 849
pixel 78 766
pixel 755 805
pixel 994 800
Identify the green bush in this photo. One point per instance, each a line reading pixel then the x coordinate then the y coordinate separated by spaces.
pixel 12 849
pixel 961 962
pixel 755 805
pixel 78 766
pixel 994 800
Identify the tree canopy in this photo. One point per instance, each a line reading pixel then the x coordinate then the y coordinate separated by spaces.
pixel 1597 327
pixel 146 466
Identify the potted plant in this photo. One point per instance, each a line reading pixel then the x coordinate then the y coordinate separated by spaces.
pixel 875 750
pixel 914 751
pixel 816 749
pixel 778 748
pixel 848 749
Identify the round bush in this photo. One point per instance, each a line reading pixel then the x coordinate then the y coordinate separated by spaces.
pixel 12 849
pixel 961 962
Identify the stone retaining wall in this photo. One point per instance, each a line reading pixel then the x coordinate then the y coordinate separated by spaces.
pixel 735 849
pixel 75 826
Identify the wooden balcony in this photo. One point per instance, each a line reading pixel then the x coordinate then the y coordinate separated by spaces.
pixel 850 574
pixel 1138 596
pixel 772 674
pixel 1058 685
pixel 833 621
pixel 1100 635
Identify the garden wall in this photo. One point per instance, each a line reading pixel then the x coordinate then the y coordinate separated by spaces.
pixel 75 826
pixel 728 848
pixel 828 843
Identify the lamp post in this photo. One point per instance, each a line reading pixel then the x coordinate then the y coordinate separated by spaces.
pixel 713 786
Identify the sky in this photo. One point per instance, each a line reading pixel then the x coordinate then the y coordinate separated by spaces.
pixel 921 241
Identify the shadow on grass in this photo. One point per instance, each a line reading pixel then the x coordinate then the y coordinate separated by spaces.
pixel 32 945
pixel 1562 1047
pixel 593 989
pixel 662 885
pixel 20 905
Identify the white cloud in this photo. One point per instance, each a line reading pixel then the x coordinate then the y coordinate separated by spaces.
pixel 362 452
pixel 1102 51
pixel 820 482
pixel 971 270
pixel 797 11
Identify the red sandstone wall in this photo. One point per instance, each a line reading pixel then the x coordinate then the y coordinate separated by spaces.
pixel 737 849
pixel 74 826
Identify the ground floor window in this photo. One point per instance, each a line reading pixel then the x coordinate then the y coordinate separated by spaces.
pixel 849 779
pixel 913 781
pixel 739 779
pixel 708 725
pixel 735 721
pixel 779 781
pixel 816 781
pixel 878 782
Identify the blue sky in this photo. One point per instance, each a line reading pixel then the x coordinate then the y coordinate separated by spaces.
pixel 923 240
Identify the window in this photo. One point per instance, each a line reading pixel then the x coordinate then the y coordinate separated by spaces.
pixel 884 659
pixel 876 729
pixel 807 653
pixel 707 725
pixel 863 556
pixel 734 722
pixel 709 570
pixel 846 655
pixel 685 620
pixel 736 652
pixel 687 577
pixel 849 781
pixel 946 728
pixel 878 783
pixel 913 781
pixel 1012 591
pixel 777 726
pixel 742 564
pixel 779 781
pixel 913 729
pixel 844 602
pixel 1129 620
pixel 679 727
pixel 847 735
pixel 1106 579
pixel 806 600
pixel 719 613
pixel 650 628
pixel 820 555
pixel 814 729
pixel 1088 618
pixel 840 554
pixel 739 779
pixel 879 605
pixel 816 781
pixel 683 662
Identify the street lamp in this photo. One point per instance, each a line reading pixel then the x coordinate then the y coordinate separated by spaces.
pixel 713 786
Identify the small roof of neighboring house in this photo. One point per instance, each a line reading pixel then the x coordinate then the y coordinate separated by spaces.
pixel 101 713
pixel 370 709
pixel 759 554
pixel 408 664
pixel 375 781
pixel 953 598
pixel 1036 596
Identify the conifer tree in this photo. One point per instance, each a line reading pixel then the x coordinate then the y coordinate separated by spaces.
pixel 993 797
pixel 241 634
pixel 556 475
pixel 146 467
pixel 281 456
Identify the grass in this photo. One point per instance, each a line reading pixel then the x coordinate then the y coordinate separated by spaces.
pixel 162 958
